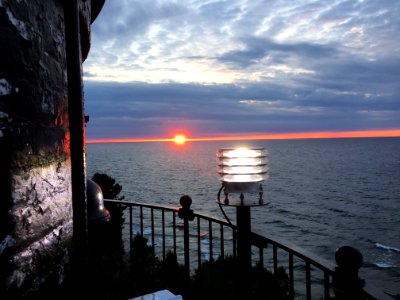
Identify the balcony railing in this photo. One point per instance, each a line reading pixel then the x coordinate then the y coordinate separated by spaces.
pixel 205 237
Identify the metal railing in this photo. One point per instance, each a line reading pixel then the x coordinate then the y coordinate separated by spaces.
pixel 195 238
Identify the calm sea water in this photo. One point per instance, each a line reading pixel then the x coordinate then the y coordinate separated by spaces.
pixel 324 193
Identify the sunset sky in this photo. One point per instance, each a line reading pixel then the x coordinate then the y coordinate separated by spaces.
pixel 245 67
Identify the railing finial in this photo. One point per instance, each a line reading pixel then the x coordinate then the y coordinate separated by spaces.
pixel 346 281
pixel 185 201
pixel 185 211
pixel 187 215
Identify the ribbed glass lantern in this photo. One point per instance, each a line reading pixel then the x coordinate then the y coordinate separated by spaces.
pixel 242 169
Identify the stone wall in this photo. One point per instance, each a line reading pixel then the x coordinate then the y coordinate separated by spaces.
pixel 35 166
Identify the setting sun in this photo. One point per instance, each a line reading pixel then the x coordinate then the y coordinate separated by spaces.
pixel 179 139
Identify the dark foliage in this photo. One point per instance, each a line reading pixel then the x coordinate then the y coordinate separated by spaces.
pixel 220 279
pixel 224 279
pixel 111 190
pixel 109 269
pixel 141 267
pixel 149 274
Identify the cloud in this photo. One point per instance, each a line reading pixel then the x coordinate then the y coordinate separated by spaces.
pixel 257 48
pixel 142 109
pixel 214 67
pixel 125 20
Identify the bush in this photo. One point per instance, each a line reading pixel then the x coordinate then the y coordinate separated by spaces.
pixel 220 279
pixel 224 279
pixel 108 268
pixel 144 273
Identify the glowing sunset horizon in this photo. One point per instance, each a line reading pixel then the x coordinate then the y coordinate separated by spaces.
pixel 181 139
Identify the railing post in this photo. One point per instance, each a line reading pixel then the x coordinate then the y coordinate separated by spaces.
pixel 346 282
pixel 243 236
pixel 244 248
pixel 187 215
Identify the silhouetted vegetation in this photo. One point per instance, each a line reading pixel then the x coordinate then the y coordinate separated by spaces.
pixel 223 280
pixel 116 276
pixel 111 190
pixel 220 279
pixel 149 274
pixel 109 267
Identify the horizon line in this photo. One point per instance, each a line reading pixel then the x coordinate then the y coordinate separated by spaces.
pixel 266 136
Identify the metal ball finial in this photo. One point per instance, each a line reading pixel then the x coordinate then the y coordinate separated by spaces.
pixel 185 201
pixel 348 257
